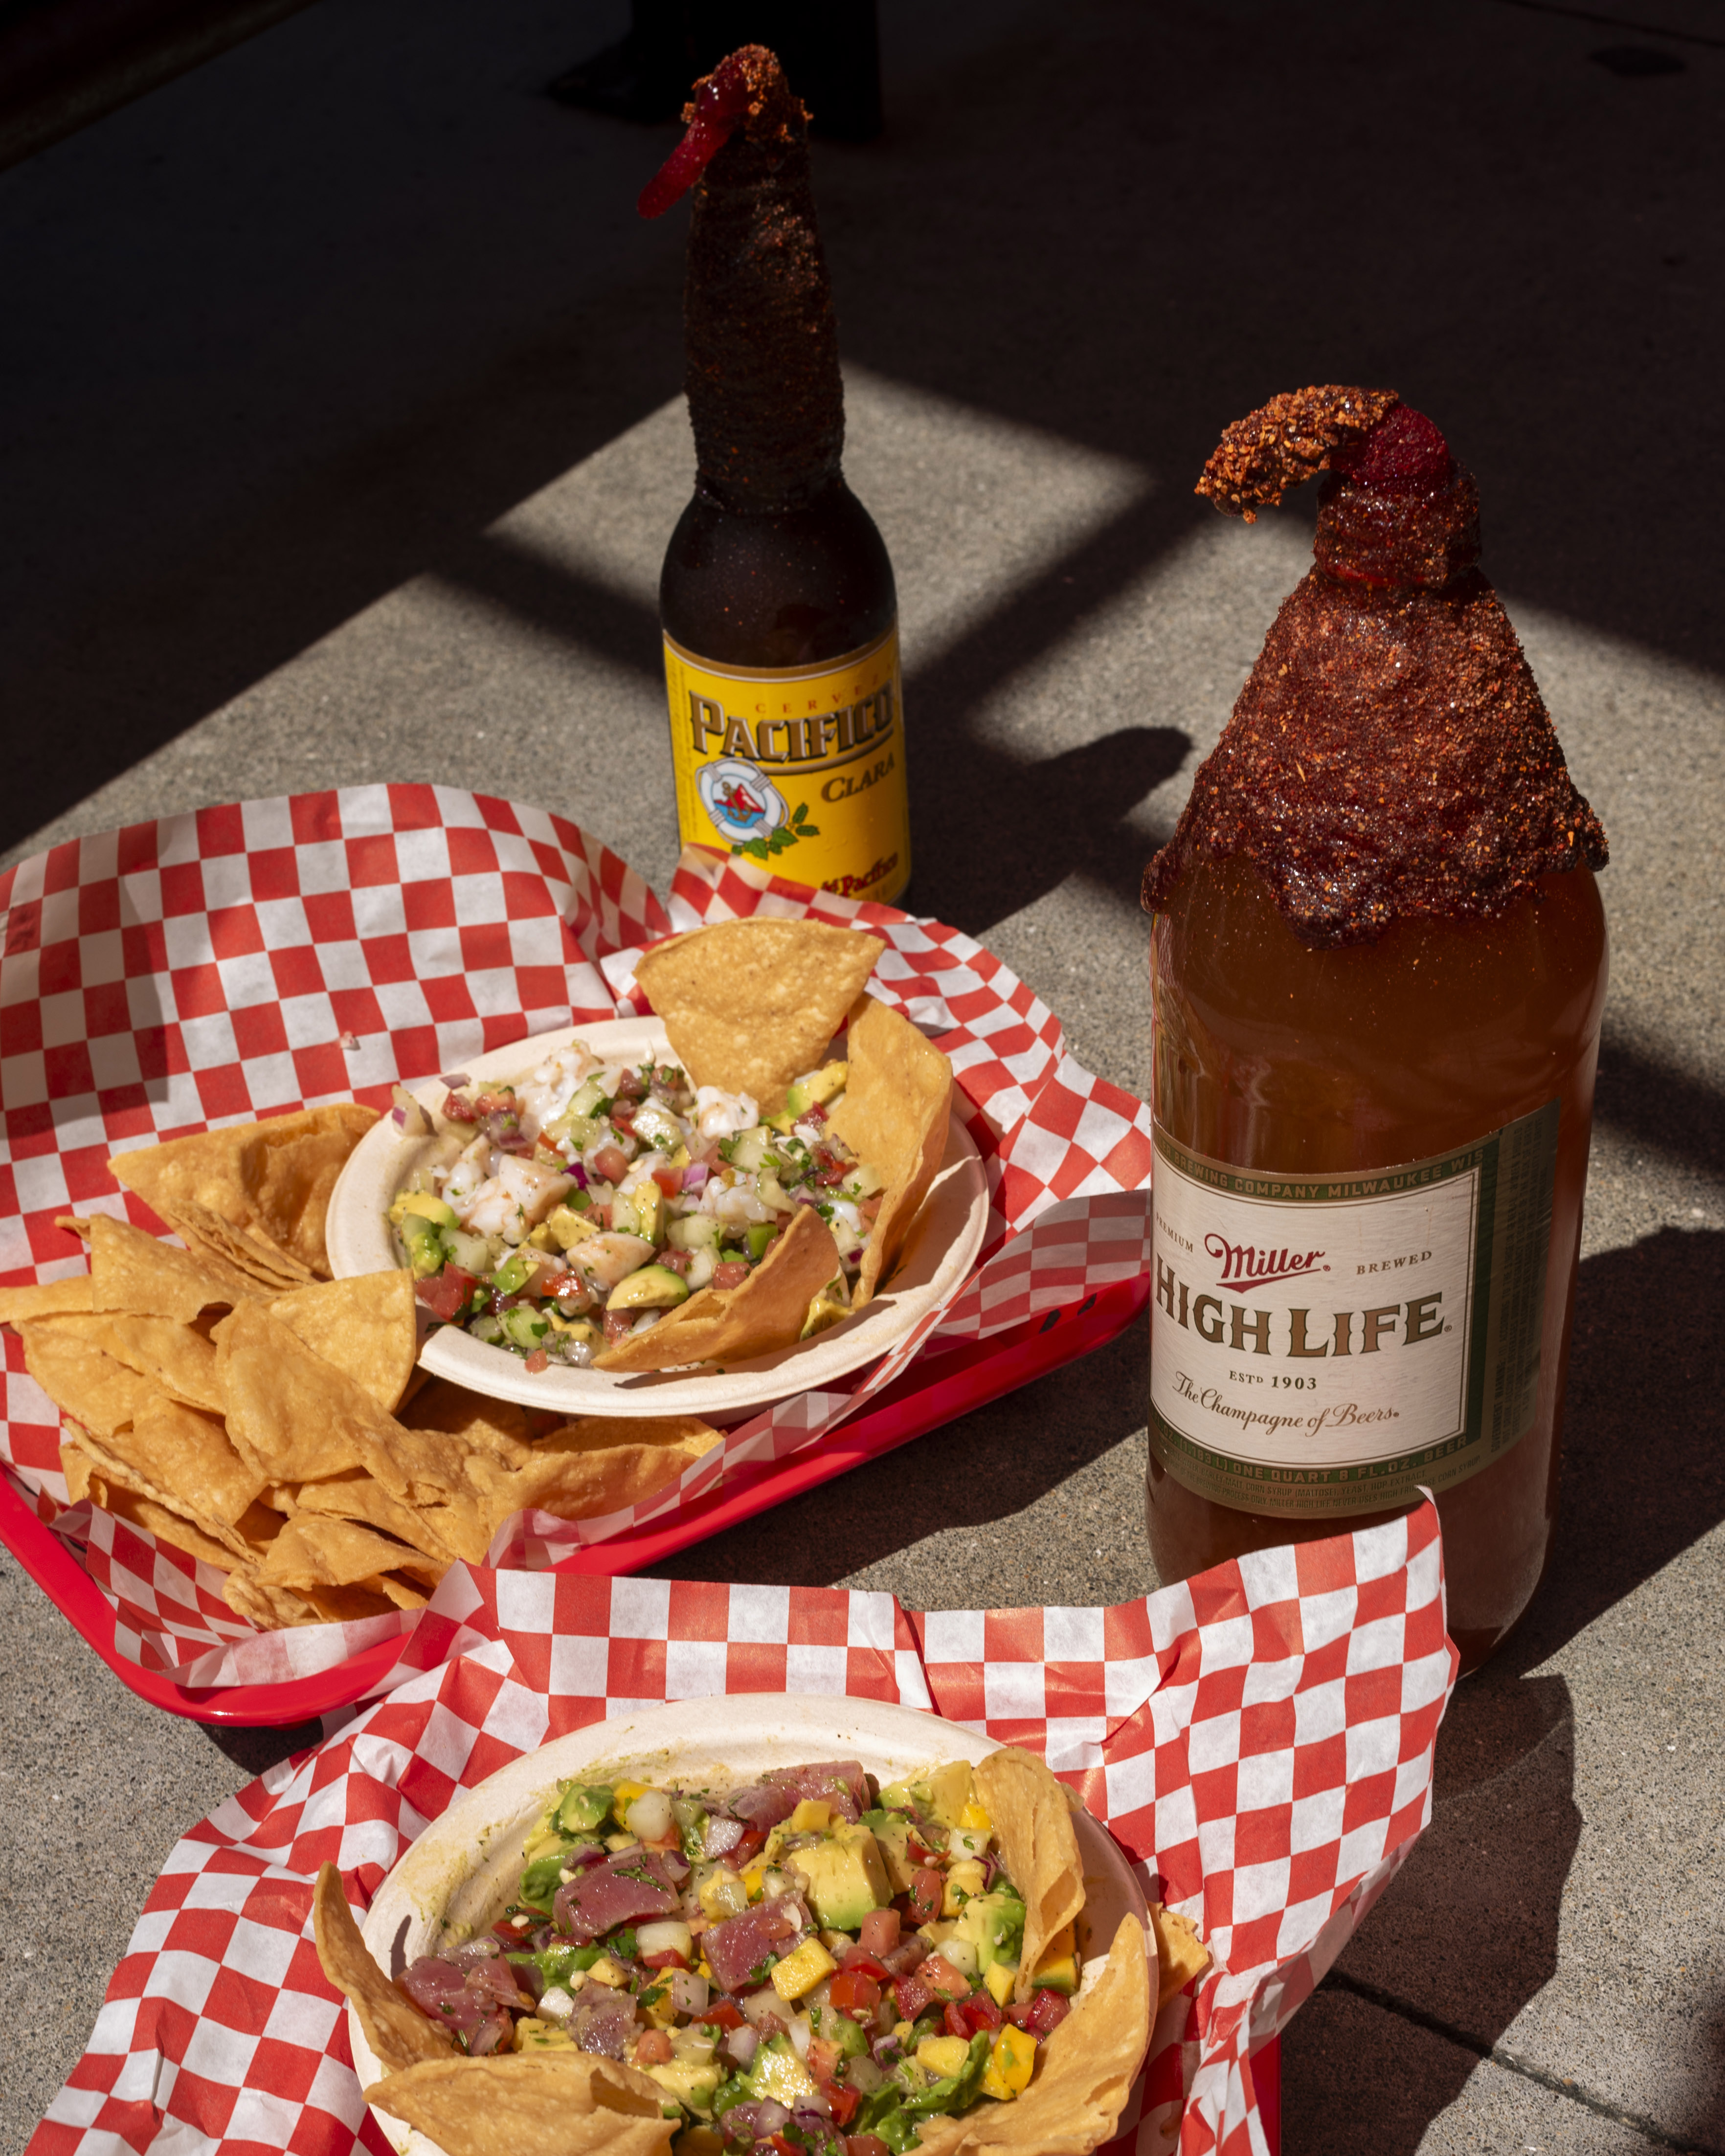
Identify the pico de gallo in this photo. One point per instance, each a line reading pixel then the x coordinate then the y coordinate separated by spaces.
pixel 577 1204
pixel 808 1966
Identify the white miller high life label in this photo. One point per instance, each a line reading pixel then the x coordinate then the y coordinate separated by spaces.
pixel 1327 1343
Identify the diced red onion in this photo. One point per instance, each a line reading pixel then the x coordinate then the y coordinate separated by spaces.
pixel 456 1081
pixel 694 1176
pixel 689 1992
pixel 742 2044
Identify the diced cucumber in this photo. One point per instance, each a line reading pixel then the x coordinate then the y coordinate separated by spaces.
pixel 625 1220
pixel 761 1233
pixel 486 1326
pixel 692 1231
pixel 747 1150
pixel 472 1253
pixel 512 1275
pixel 526 1327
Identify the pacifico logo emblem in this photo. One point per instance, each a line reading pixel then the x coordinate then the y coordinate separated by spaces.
pixel 742 802
pixel 1244 1266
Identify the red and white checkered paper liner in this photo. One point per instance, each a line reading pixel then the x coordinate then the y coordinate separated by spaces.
pixel 252 959
pixel 1260 1739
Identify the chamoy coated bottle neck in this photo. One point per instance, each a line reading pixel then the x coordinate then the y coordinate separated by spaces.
pixel 766 399
pixel 1390 756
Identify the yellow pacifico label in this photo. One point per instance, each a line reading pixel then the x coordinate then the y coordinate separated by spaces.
pixel 802 769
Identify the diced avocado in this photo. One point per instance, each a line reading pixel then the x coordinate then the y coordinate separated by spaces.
pixel 654 1287
pixel 777 2072
pixel 624 1220
pixel 995 1925
pixel 424 1246
pixel 761 1233
pixel 566 1227
pixel 840 2030
pixel 526 1327
pixel 846 1877
pixel 423 1206
pixel 512 1275
pixel 818 1087
pixel 693 1231
pixel 571 1328
pixel 540 1880
pixel 648 1202
pixel 892 1840
pixel 584 1807
pixel 948 1791
pixel 693 2086
pixel 1058 1969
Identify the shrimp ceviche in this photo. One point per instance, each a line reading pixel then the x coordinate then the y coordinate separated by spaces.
pixel 577 1205
pixel 809 1962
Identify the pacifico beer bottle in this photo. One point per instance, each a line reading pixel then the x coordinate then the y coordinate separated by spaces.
pixel 1378 969
pixel 776 598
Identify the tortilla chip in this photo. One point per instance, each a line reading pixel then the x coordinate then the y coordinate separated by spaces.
pixel 271 1609
pixel 357 1495
pixel 187 1458
pixel 52 1299
pixel 397 2032
pixel 252 1195
pixel 312 1551
pixel 74 1223
pixel 1180 1954
pixel 444 1407
pixel 81 1380
pixel 729 1324
pixel 395 1589
pixel 365 1326
pixel 180 1362
pixel 898 1099
pixel 166 1525
pixel 297 1419
pixel 555 2103
pixel 290 1193
pixel 1039 1846
pixel 74 1466
pixel 591 1467
pixel 1083 2078
pixel 132 1271
pixel 749 1005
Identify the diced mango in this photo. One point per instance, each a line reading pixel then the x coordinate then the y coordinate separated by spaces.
pixel 724 1894
pixel 811 1816
pixel 531 2035
pixel 976 1818
pixel 801 1971
pixel 964 1880
pixel 1058 1969
pixel 903 2030
pixel 753 1879
pixel 604 1970
pixel 944 2056
pixel 661 2013
pixel 1012 2061
pixel 1000 1977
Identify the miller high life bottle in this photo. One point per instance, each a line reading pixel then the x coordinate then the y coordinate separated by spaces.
pixel 776 598
pixel 1377 970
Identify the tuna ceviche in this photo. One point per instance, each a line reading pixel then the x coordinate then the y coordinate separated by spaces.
pixel 579 1204
pixel 808 1964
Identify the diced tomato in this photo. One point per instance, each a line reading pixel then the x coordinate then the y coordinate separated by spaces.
pixel 458 1111
pixel 670 1958
pixel 823 2057
pixel 503 1102
pixel 558 1287
pixel 951 1982
pixel 780 2146
pixel 866 2145
pixel 445 1294
pixel 675 1261
pixel 610 1162
pixel 536 1362
pixel 653 2049
pixel 911 1994
pixel 879 1933
pixel 732 1274
pixel 721 2014
pixel 512 1929
pixel 669 1180
pixel 852 1991
pixel 859 1964
pixel 1041 2014
pixel 622 1118
pixel 868 1209
pixel 915 1850
pixel 813 1113
pixel 843 2103
pixel 752 1843
pixel 927 1885
pixel 631 1086
pixel 617 1322
pixel 968 2017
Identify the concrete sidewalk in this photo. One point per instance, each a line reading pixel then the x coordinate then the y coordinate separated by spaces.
pixel 342 442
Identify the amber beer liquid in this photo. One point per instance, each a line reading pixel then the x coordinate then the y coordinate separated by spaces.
pixel 1372 1083
pixel 776 600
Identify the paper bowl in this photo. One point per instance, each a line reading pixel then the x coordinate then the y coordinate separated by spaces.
pixel 457 1877
pixel 943 1247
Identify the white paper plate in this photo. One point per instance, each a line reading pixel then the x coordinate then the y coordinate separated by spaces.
pixel 943 1247
pixel 460 1871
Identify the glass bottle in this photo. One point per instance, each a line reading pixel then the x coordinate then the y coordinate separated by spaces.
pixel 1379 967
pixel 776 600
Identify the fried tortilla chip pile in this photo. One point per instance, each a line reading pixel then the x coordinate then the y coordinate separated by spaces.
pixel 748 1006
pixel 271 1426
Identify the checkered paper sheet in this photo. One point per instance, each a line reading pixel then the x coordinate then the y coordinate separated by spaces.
pixel 1259 1739
pixel 252 959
